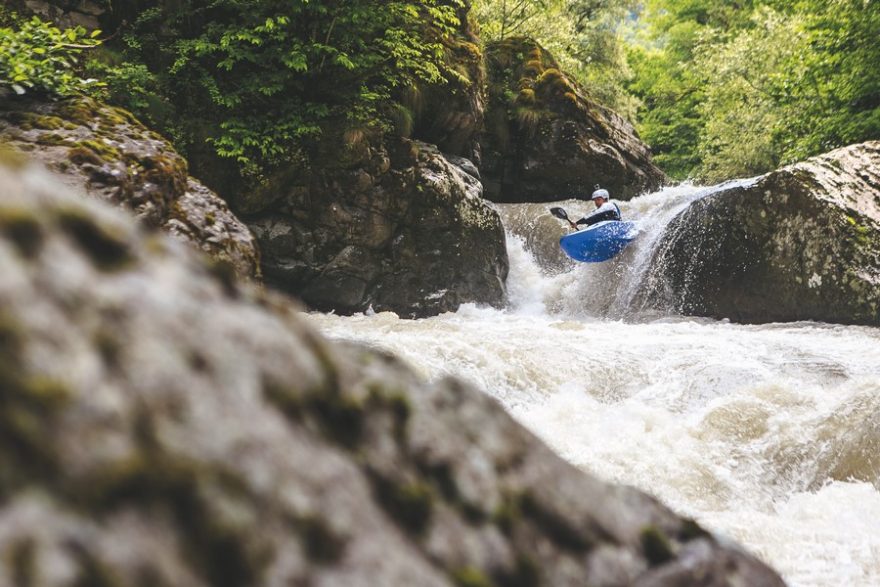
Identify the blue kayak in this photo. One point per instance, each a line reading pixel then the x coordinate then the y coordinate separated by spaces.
pixel 599 242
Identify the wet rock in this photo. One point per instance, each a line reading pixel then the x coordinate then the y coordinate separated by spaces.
pixel 800 243
pixel 108 154
pixel 402 229
pixel 163 424
pixel 539 232
pixel 545 140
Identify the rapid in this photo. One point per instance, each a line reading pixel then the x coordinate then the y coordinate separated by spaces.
pixel 767 434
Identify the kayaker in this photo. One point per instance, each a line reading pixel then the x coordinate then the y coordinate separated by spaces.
pixel 605 209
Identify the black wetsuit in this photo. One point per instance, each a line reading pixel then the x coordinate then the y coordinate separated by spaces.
pixel 607 211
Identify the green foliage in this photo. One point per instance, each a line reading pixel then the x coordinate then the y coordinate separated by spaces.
pixel 263 80
pixel 735 89
pixel 38 58
pixel 583 35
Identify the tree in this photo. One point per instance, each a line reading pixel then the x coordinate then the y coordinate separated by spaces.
pixel 262 81
pixel 38 58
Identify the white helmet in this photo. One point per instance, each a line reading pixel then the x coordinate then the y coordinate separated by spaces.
pixel 600 193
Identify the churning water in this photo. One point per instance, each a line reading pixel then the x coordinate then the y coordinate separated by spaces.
pixel 767 434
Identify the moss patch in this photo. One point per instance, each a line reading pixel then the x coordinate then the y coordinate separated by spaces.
pixel 410 504
pixel 470 577
pixel 656 546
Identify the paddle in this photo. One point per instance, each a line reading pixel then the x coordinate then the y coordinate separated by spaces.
pixel 560 213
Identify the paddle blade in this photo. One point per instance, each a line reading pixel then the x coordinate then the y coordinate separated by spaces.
pixel 559 213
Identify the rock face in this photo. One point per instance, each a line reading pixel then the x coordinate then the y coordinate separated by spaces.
pixel 163 424
pixel 800 243
pixel 108 154
pixel 401 229
pixel 451 115
pixel 546 141
pixel 65 13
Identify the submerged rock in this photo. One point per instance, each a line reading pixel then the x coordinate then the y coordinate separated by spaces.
pixel 105 152
pixel 164 424
pixel 403 229
pixel 800 243
pixel 545 140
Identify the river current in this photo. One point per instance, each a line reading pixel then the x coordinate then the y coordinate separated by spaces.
pixel 767 434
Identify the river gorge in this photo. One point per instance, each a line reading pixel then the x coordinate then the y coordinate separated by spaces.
pixel 763 433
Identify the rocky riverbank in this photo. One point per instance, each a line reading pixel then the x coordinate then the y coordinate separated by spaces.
pixel 166 423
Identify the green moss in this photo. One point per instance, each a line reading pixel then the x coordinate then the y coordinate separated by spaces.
pixel 52 139
pixel 107 248
pixel 124 116
pixel 103 150
pixel 23 230
pixel 470 577
pixel 656 546
pixel 47 122
pixel 507 515
pixel 526 97
pixel 410 504
pixel 81 111
pixel 82 156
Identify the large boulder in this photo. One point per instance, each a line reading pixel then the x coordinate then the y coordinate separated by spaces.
pixel 106 153
pixel 545 140
pixel 800 243
pixel 163 424
pixel 402 228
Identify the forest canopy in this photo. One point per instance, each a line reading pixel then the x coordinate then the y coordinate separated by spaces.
pixel 718 89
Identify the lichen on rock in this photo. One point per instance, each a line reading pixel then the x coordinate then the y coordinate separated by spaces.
pixel 107 153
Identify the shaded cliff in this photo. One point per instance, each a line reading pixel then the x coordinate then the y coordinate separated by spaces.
pixel 545 140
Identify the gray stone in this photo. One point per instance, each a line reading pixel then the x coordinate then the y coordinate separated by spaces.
pixel 106 153
pixel 800 243
pixel 404 230
pixel 165 424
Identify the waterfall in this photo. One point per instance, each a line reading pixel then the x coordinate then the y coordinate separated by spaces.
pixel 616 289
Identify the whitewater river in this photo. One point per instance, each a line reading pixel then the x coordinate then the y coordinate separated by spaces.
pixel 768 434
